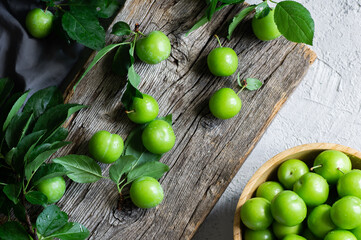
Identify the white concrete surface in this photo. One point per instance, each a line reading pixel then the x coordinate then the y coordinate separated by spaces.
pixel 326 107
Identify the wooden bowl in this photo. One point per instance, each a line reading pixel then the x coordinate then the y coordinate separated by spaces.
pixel 268 171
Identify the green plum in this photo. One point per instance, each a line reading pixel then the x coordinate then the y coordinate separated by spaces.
pixel 294 237
pixel 350 184
pixel 290 171
pixel 153 48
pixel 331 165
pixel 258 235
pixel 281 230
pixel 39 23
pixel 143 109
pixel 340 235
pixel 288 208
pixel 346 212
pixel 158 137
pixel 357 232
pixel 319 221
pixel 146 192
pixel 106 147
pixel 52 188
pixel 269 190
pixel 256 214
pixel 312 188
pixel 222 61
pixel 265 28
pixel 225 103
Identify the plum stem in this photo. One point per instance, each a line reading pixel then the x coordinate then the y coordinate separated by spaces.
pixel 315 167
pixel 216 36
pixel 340 170
pixel 131 111
pixel 31 231
pixel 241 90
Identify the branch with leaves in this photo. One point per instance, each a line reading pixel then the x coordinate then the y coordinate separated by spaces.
pixel 292 19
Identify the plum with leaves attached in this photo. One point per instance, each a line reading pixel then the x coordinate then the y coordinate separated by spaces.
pixel 143 109
pixel 39 23
pixel 106 147
pixel 265 28
pixel 146 192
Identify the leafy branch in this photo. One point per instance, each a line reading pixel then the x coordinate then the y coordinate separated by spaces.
pixel 292 19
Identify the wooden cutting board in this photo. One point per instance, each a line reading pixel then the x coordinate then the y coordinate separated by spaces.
pixel 208 152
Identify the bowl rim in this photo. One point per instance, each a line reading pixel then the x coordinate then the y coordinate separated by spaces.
pixel 272 161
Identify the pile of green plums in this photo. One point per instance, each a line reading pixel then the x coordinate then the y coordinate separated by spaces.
pixel 324 203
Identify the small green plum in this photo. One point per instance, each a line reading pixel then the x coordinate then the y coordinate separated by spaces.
pixel 357 232
pixel 269 190
pixel 346 212
pixel 340 235
pixel 319 221
pixel 52 188
pixel 294 237
pixel 258 235
pixel 309 235
pixel 143 109
pixel 290 171
pixel 39 23
pixel 158 137
pixel 256 214
pixel 222 61
pixel 331 165
pixel 265 28
pixel 146 192
pixel 281 230
pixel 106 147
pixel 225 104
pixel 153 48
pixel 288 208
pixel 312 188
pixel 350 184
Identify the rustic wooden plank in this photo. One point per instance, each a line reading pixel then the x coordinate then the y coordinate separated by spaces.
pixel 208 151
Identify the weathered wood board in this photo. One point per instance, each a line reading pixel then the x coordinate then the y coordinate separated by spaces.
pixel 208 151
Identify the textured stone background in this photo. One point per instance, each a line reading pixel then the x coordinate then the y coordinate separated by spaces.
pixel 326 107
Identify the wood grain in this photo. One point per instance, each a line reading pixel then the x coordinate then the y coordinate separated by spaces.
pixel 208 152
pixel 268 171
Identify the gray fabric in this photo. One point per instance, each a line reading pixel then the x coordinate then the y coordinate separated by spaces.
pixel 32 63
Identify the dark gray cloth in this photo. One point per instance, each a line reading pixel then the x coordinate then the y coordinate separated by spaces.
pixel 32 63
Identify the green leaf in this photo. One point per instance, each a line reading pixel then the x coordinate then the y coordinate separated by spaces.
pixel 97 58
pixel 107 8
pixel 239 79
pixel 82 26
pixel 49 170
pixel 45 147
pixel 6 86
pixel 211 9
pixel 238 19
pixel 149 169
pixel 253 84
pixel 262 10
pixel 130 93
pixel 71 231
pixel 122 61
pixel 17 128
pixel 33 166
pixel 9 156
pixel 133 77
pixel 167 118
pixel 54 117
pixel 134 148
pixel 81 169
pixel 123 165
pixel 58 135
pixel 19 211
pixel 42 100
pixel 16 107
pixel 36 198
pixel 7 106
pixel 294 22
pixel 24 148
pixel 121 29
pixel 51 220
pixel 12 191
pixel 13 231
